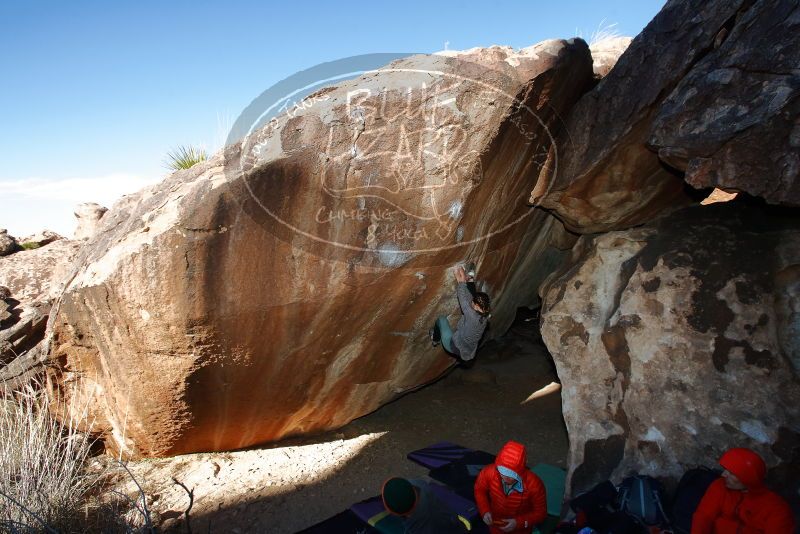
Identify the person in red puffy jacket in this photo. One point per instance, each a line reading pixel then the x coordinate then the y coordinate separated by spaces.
pixel 510 497
pixel 738 502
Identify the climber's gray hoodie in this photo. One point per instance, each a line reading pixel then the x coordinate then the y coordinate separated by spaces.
pixel 471 325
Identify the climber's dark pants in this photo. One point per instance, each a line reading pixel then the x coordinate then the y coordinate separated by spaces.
pixel 444 334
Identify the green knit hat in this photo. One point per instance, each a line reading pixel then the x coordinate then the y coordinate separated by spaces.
pixel 398 495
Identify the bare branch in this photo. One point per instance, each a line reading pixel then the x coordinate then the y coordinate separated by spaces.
pixel 190 492
pixel 145 512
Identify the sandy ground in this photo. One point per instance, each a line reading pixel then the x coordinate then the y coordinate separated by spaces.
pixel 290 486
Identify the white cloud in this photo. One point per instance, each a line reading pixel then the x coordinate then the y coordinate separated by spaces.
pixel 32 204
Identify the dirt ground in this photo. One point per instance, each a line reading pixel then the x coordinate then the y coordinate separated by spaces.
pixel 293 485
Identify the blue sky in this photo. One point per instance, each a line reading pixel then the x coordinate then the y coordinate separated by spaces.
pixel 93 94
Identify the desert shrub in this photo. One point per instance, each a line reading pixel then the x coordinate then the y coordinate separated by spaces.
pixel 48 479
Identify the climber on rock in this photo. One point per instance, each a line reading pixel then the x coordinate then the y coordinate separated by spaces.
pixel 463 343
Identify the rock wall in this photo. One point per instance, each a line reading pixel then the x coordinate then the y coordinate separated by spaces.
pixel 710 88
pixel 733 121
pixel 678 340
pixel 287 285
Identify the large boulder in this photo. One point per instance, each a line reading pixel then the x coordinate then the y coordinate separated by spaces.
pixel 722 109
pixel 287 285
pixel 29 283
pixel 678 340
pixel 733 121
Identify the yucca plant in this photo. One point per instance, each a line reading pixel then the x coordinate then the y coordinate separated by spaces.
pixel 184 157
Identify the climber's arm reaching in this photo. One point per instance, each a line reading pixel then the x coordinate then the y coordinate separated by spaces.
pixel 462 291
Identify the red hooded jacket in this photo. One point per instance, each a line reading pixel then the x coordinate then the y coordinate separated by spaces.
pixel 528 508
pixel 755 511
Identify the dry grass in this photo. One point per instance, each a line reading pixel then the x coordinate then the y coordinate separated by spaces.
pixel 604 32
pixel 48 482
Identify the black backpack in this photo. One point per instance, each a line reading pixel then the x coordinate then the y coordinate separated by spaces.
pixel 691 488
pixel 598 506
pixel 640 497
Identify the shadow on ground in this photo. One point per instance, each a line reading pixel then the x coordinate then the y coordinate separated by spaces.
pixel 480 408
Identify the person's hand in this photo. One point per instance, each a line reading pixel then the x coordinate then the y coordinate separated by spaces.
pixel 510 525
pixel 461 276
pixel 487 518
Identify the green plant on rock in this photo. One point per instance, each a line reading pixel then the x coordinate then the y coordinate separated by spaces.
pixel 184 157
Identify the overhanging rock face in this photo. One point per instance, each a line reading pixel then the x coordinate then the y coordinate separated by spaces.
pixel 287 286
pixel 733 122
pixel 710 89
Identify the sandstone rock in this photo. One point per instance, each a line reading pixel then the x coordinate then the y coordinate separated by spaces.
pixel 734 120
pixel 607 177
pixel 88 215
pixel 8 243
pixel 288 286
pixel 606 53
pixel 20 337
pixel 45 237
pixel 38 275
pixel 31 281
pixel 678 340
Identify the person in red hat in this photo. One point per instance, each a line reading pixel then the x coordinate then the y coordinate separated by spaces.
pixel 510 497
pixel 738 502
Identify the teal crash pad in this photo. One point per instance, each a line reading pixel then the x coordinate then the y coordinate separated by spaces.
pixel 554 479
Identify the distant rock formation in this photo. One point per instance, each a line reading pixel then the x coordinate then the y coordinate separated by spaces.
pixel 606 52
pixel 45 237
pixel 287 286
pixel 88 215
pixel 678 340
pixel 8 243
